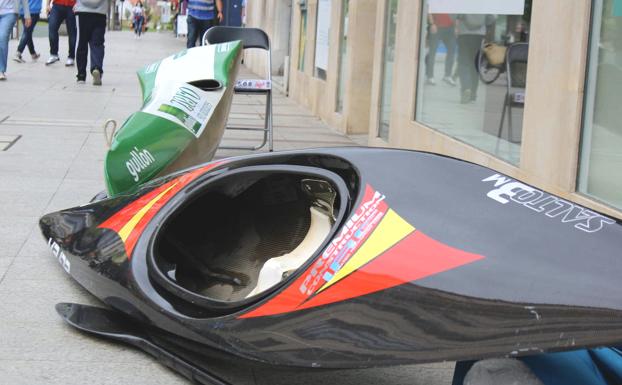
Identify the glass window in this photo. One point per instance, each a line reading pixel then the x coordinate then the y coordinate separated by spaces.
pixel 302 42
pixel 466 88
pixel 600 173
pixel 387 68
pixel 322 38
pixel 343 42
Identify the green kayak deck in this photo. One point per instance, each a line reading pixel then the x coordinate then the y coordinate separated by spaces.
pixel 186 102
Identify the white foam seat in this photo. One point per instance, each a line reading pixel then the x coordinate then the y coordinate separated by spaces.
pixel 272 271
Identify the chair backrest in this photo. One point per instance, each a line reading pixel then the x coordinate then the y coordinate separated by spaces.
pixel 516 64
pixel 250 37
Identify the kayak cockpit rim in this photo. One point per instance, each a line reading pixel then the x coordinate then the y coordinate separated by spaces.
pixel 181 279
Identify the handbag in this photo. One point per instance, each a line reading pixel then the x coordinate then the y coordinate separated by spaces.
pixel 495 53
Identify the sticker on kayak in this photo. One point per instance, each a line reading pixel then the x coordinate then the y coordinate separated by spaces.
pixel 506 190
pixel 60 255
pixel 184 105
pixel 375 250
pixel 253 85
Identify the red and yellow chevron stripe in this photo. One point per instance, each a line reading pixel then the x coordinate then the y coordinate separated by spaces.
pixel 130 221
pixel 394 253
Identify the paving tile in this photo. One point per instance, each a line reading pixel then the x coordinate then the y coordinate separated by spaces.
pixel 75 192
pixel 34 245
pixel 5 262
pixel 14 231
pixel 53 372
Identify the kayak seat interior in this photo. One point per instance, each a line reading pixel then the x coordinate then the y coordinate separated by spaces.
pixel 244 234
pixel 275 269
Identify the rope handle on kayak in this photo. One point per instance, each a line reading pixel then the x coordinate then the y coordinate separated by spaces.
pixel 109 136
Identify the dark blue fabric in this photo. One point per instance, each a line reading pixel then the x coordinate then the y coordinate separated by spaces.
pixel 196 30
pixel 233 13
pixel 565 368
pixel 26 39
pixel 601 366
pixel 58 14
pixel 609 361
pixel 91 31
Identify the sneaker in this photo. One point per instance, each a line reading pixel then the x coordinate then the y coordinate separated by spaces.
pixel 449 80
pixel 97 77
pixel 35 56
pixel 69 62
pixel 80 81
pixel 430 81
pixel 2 76
pixel 18 58
pixel 52 59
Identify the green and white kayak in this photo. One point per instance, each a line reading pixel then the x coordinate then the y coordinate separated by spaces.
pixel 186 102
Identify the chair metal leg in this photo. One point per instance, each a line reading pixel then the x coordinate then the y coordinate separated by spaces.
pixel 505 104
pixel 267 130
pixel 510 132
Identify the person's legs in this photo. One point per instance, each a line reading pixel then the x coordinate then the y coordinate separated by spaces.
pixel 7 21
pixel 468 45
pixel 431 56
pixel 31 45
pixel 203 27
pixel 54 20
pixel 192 31
pixel 24 39
pixel 474 44
pixel 82 45
pixel 70 21
pixel 96 41
pixel 448 37
pixel 463 64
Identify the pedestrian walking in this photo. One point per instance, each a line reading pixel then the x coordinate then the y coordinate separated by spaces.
pixel 91 21
pixel 441 27
pixel 471 29
pixel 8 18
pixel 139 19
pixel 202 14
pixel 59 11
pixel 26 40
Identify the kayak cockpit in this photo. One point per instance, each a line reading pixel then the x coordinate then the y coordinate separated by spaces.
pixel 239 237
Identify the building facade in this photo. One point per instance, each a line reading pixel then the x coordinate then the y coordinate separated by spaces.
pixel 526 87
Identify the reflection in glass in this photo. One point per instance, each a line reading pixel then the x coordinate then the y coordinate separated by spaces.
pixel 322 38
pixel 343 57
pixel 387 68
pixel 600 173
pixel 302 42
pixel 466 88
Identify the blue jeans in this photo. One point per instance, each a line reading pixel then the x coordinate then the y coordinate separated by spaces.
pixel 138 25
pixel 58 14
pixel 26 39
pixel 7 21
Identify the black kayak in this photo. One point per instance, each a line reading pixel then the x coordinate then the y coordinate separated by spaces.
pixel 347 258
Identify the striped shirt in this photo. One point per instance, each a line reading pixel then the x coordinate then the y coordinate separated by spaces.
pixel 202 9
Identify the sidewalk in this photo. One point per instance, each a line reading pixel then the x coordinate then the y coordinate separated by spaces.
pixel 53 130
